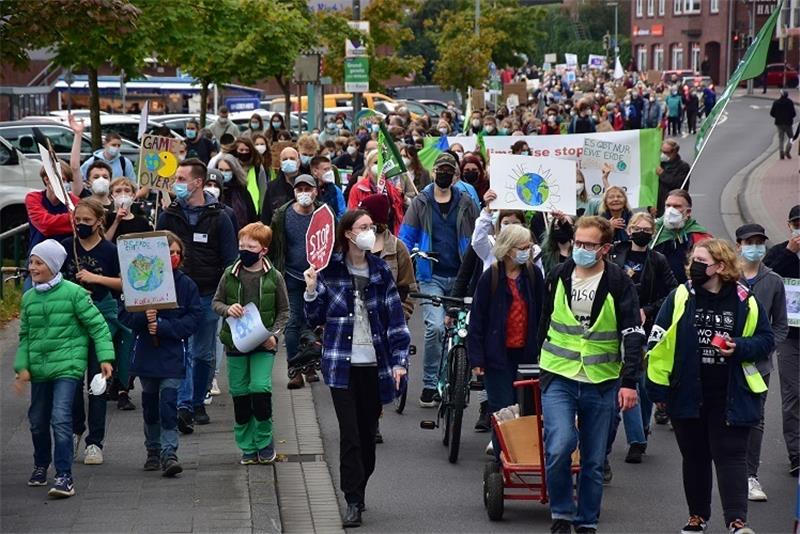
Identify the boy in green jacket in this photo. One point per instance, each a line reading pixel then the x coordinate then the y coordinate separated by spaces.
pixel 57 321
pixel 252 279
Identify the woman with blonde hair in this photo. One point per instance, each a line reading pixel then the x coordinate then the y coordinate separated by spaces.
pixel 703 347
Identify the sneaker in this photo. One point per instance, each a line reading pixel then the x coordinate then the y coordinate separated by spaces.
pixel 561 526
pixel 694 524
pixel 153 462
pixel 93 455
pixel 635 453
pixel 754 490
pixel 586 530
pixel 185 421
pixel 427 399
pixel 214 391
pixel 484 423
pixel 739 527
pixel 208 399
pixel 794 466
pixel 312 377
pixel 607 473
pixel 124 402
pixel 63 487
pixel 296 382
pixel 171 467
pixel 249 458
pixel 489 449
pixel 200 415
pixel 267 455
pixel 661 417
pixel 38 477
pixel 76 443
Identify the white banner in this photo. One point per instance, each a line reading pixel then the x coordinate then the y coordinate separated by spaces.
pixel 537 184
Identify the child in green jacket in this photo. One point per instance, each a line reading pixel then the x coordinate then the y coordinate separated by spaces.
pixel 57 321
pixel 252 279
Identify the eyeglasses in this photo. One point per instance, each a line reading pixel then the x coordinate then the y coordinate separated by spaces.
pixel 586 245
pixel 647 230
pixel 365 227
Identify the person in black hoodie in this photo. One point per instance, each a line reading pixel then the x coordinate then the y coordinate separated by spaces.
pixel 784 259
pixel 783 112
pixel 671 172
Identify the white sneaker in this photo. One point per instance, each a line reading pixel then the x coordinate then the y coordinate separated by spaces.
pixel 214 388
pixel 209 399
pixel 490 448
pixel 93 456
pixel 754 490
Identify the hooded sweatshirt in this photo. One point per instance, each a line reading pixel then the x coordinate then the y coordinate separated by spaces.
pixel 768 288
pixel 120 165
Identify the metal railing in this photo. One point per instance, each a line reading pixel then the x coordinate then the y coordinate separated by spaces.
pixel 16 235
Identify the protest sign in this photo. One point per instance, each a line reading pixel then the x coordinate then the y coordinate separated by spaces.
pixel 275 149
pixel 52 172
pixel 528 183
pixel 571 59
pixel 792 287
pixel 596 61
pixel 596 152
pixel 147 280
pixel 550 58
pixel 247 331
pixel 653 76
pixel 516 88
pixel 478 100
pixel 320 237
pixel 158 161
pixel 640 182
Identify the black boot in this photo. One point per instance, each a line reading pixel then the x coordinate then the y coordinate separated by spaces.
pixel 484 423
pixel 352 517
pixel 153 462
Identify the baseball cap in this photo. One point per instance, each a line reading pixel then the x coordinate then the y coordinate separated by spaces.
pixel 746 231
pixel 445 159
pixel 794 213
pixel 305 179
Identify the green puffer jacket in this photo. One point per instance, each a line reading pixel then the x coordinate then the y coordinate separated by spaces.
pixel 54 332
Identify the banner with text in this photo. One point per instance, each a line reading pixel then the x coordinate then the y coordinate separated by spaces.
pixel 158 161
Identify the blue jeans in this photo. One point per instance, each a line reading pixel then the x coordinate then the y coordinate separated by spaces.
pixel 633 419
pixel 499 386
pixel 200 364
pixel 434 328
pixel 561 402
pixel 51 406
pixel 97 406
pixel 297 316
pixel 160 412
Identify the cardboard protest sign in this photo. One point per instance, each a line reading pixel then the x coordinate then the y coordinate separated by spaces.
pixel 653 76
pixel 276 149
pixel 478 99
pixel 158 161
pixel 147 280
pixel 792 287
pixel 320 237
pixel 596 152
pixel 532 184
pixel 52 172
pixel 516 88
pixel 248 332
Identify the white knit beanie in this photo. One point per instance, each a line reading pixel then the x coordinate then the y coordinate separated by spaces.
pixel 51 253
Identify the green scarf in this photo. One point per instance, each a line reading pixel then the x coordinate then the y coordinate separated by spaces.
pixel 679 234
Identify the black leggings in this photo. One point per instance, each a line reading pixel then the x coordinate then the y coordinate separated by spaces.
pixel 708 439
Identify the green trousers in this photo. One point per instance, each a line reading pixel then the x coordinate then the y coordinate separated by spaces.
pixel 250 384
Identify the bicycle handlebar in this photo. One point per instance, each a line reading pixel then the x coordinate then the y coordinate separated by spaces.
pixel 466 301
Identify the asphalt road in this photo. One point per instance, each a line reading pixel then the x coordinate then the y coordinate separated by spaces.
pixel 415 489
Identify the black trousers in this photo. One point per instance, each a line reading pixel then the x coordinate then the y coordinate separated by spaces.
pixel 357 409
pixel 703 441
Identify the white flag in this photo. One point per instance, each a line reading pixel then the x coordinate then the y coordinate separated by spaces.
pixel 618 72
pixel 144 118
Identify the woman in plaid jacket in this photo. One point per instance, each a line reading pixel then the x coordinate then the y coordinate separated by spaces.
pixel 365 347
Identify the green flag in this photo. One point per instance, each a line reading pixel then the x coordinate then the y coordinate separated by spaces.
pixel 467 114
pixel 751 65
pixel 390 164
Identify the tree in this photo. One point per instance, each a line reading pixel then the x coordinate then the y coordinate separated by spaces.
pixel 423 26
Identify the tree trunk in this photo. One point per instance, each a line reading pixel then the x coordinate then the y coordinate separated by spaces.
pixel 203 102
pixel 286 88
pixel 94 109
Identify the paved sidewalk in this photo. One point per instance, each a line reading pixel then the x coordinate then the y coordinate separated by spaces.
pixel 213 494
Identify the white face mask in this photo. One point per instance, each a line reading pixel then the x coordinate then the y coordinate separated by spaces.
pixel 795 232
pixel 664 157
pixel 122 201
pixel 365 240
pixel 304 199
pixel 328 177
pixel 352 150
pixel 100 186
pixel 261 148
pixel 213 190
pixel 579 187
pixel 673 219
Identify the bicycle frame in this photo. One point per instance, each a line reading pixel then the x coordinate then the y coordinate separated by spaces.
pixel 455 336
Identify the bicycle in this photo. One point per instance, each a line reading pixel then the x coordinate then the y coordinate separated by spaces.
pixel 454 372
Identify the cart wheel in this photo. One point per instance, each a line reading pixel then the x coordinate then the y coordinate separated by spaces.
pixel 488 469
pixel 493 495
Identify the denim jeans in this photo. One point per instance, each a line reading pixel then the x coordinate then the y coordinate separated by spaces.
pixel 633 420
pixel 160 413
pixel 200 365
pixel 499 386
pixel 562 401
pixel 51 406
pixel 97 406
pixel 297 316
pixel 434 327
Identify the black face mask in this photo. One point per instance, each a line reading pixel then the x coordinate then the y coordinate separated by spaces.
pixel 697 273
pixel 641 238
pixel 562 234
pixel 249 258
pixel 84 230
pixel 244 158
pixel 444 179
pixel 471 176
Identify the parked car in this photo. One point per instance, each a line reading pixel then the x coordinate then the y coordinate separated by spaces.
pixel 127 126
pixel 242 118
pixel 696 81
pixel 13 212
pixel 675 76
pixel 63 114
pixel 16 169
pixel 775 76
pixel 177 121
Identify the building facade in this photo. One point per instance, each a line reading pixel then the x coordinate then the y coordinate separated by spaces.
pixel 707 36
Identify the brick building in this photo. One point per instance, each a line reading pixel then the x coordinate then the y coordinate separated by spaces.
pixel 701 35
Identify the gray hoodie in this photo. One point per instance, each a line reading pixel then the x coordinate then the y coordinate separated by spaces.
pixel 768 289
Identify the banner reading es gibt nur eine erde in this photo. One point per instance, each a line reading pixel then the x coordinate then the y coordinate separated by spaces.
pixel 632 154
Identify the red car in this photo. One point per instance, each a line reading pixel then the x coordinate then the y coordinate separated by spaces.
pixel 775 76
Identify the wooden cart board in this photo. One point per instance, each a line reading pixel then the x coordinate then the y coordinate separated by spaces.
pixel 522 442
pixel 147 279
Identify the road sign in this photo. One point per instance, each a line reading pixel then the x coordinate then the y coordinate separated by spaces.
pixel 320 238
pixel 356 75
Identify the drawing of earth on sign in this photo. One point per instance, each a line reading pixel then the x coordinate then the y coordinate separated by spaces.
pixel 164 162
pixel 146 273
pixel 535 188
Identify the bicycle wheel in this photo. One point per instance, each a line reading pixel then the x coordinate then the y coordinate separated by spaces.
pixel 401 395
pixel 458 398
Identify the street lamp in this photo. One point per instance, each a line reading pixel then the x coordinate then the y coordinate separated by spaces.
pixel 616 26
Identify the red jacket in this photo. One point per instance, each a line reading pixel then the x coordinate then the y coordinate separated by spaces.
pixel 365 188
pixel 47 223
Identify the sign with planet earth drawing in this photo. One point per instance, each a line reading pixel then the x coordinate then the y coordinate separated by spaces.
pixel 532 183
pixel 147 280
pixel 158 161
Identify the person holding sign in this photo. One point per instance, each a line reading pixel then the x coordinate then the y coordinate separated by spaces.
pixel 365 350
pixel 162 341
pixel 252 281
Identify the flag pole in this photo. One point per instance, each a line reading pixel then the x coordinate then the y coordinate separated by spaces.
pixel 705 142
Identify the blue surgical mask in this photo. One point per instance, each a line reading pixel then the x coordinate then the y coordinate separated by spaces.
pixel 305 159
pixel 227 176
pixel 181 191
pixel 331 126
pixel 289 166
pixel 254 125
pixel 584 258
pixel 522 257
pixel 753 253
pixel 191 134
pixel 276 125
pixel 113 151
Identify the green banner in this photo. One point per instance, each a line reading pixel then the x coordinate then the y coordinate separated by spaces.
pixel 356 74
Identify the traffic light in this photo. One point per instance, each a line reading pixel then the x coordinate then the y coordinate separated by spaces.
pixel 735 39
pixel 606 41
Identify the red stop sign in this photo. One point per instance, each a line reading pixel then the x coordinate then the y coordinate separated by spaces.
pixel 320 237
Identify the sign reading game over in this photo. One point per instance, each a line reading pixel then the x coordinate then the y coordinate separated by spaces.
pixel 147 280
pixel 158 161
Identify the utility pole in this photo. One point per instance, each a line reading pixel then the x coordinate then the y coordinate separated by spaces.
pixel 752 36
pixel 477 17
pixel 615 4
pixel 356 96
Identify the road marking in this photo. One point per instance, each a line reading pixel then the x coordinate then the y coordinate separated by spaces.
pixel 756 107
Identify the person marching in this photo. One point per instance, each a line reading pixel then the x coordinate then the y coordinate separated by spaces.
pixel 590 318
pixel 708 336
